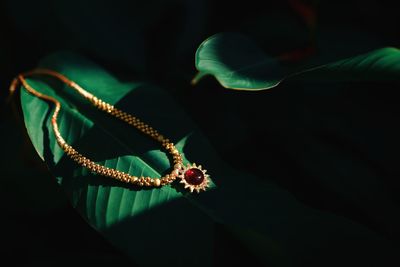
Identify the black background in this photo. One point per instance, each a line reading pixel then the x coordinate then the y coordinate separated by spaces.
pixel 340 131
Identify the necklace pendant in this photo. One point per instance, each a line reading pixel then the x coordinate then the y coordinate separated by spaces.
pixel 194 178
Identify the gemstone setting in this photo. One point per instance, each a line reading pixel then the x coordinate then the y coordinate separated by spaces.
pixel 194 177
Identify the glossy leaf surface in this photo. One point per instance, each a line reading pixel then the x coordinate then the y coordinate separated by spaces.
pixel 238 63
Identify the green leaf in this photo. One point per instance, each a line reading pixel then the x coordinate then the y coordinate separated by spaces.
pixel 238 63
pixel 379 65
pixel 107 205
pixel 166 226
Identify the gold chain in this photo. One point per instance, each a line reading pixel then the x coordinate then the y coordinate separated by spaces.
pixel 178 171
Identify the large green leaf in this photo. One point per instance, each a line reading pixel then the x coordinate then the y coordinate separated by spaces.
pixel 103 203
pixel 238 63
pixel 165 226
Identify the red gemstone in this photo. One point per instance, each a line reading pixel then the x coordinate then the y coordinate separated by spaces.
pixel 194 176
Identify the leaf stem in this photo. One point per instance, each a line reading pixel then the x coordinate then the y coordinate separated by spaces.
pixel 197 78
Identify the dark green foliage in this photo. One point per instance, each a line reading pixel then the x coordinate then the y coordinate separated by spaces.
pixel 304 174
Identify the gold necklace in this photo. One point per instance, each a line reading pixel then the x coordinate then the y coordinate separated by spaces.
pixel 192 176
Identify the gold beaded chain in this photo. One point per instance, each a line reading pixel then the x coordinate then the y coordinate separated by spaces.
pixel 193 177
